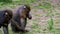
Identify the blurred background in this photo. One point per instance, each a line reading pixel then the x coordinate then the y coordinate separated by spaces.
pixel 45 15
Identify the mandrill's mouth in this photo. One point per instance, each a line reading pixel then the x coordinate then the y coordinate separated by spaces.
pixel 29 17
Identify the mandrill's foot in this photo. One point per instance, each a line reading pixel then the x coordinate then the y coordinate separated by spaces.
pixel 25 31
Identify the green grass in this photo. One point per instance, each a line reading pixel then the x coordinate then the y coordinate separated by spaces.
pixel 20 2
pixel 17 3
pixel 36 28
pixel 50 23
pixel 45 5
pixel 57 21
pixel 0 32
pixel 58 14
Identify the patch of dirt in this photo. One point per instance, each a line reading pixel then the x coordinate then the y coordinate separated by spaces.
pixel 43 19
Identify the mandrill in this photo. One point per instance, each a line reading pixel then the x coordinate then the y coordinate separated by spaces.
pixel 19 20
pixel 5 17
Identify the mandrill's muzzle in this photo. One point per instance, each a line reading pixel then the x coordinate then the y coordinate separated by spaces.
pixel 29 16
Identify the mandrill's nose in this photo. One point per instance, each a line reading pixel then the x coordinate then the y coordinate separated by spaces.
pixel 30 17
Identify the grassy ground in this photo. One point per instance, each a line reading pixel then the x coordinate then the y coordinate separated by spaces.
pixel 46 15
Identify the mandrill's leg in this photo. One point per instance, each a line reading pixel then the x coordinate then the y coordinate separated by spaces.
pixel 23 24
pixel 15 24
pixel 5 29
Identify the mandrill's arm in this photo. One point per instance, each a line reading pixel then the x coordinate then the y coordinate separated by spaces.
pixel 16 24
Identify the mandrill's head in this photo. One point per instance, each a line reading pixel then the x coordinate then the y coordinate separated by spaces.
pixel 9 14
pixel 27 10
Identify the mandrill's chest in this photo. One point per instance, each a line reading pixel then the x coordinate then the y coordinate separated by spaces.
pixel 20 13
pixel 17 17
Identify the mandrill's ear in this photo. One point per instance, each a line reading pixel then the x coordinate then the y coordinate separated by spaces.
pixel 24 6
pixel 6 13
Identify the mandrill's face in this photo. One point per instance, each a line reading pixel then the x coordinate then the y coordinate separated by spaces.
pixel 27 8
